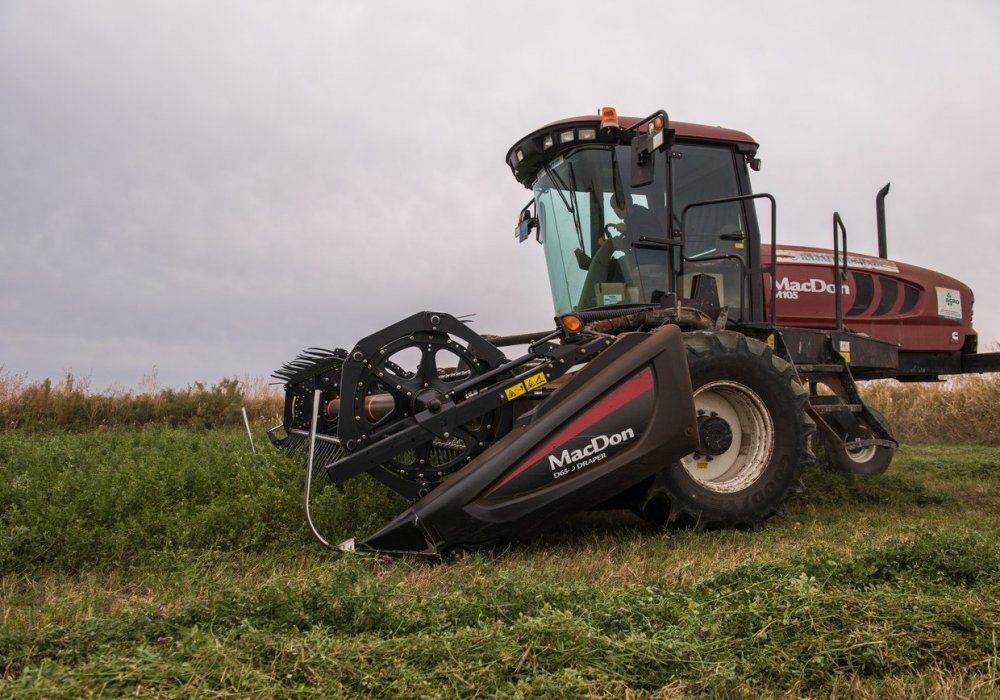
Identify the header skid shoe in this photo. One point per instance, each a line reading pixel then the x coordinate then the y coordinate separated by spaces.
pixel 447 439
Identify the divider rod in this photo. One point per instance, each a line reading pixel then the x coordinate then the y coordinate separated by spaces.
pixel 347 545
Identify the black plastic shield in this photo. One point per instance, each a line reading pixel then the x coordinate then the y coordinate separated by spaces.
pixel 623 417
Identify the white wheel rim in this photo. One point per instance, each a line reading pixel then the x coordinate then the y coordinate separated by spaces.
pixel 753 438
pixel 860 455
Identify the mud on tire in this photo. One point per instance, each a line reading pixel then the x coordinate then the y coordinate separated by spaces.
pixel 754 433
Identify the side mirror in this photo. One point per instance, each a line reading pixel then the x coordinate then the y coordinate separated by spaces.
pixel 658 137
pixel 524 228
pixel 526 222
pixel 642 170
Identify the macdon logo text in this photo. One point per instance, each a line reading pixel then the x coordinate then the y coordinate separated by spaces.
pixel 790 289
pixel 597 444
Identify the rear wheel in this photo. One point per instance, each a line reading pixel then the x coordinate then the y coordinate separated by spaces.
pixel 867 461
pixel 754 438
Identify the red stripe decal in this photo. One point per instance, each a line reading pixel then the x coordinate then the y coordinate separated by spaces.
pixel 631 389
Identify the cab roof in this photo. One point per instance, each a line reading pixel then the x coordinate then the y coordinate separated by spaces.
pixel 684 130
pixel 526 157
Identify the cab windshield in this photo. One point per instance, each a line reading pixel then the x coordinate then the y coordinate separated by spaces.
pixel 589 223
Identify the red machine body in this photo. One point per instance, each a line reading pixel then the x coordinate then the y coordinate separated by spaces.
pixel 917 309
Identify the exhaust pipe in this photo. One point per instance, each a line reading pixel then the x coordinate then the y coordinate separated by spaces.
pixel 880 219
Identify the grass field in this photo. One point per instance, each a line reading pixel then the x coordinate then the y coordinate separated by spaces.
pixel 173 562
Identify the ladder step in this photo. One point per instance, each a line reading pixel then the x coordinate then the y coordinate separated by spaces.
pixel 834 407
pixel 875 442
pixel 824 369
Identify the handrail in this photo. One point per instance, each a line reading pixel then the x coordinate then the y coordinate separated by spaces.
pixel 839 274
pixel 773 269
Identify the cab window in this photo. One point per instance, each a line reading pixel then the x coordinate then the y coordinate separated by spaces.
pixel 716 234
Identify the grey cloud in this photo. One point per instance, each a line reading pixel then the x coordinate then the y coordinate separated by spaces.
pixel 208 187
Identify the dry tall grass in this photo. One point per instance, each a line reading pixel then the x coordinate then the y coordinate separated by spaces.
pixel 69 404
pixel 962 409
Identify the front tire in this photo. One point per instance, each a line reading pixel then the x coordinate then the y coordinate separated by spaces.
pixel 754 435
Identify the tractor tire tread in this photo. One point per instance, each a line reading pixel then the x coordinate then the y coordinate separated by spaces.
pixel 672 499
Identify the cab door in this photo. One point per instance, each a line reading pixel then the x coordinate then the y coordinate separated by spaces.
pixel 718 240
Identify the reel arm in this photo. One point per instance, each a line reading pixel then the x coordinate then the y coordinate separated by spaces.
pixel 466 402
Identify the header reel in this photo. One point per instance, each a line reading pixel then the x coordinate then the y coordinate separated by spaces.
pixel 410 368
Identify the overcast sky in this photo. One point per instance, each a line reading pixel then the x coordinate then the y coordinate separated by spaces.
pixel 208 187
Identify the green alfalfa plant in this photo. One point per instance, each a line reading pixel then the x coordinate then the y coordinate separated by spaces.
pixel 811 621
pixel 69 501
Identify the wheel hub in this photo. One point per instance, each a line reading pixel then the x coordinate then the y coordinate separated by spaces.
pixel 715 434
pixel 737 437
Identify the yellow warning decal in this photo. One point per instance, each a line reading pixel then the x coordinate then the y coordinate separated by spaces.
pixel 535 381
pixel 702 465
pixel 845 350
pixel 738 246
pixel 532 382
pixel 514 391
pixel 770 341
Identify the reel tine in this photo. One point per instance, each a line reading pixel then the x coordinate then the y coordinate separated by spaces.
pixel 310 361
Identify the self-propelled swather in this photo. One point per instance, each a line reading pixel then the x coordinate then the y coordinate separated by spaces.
pixel 692 361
